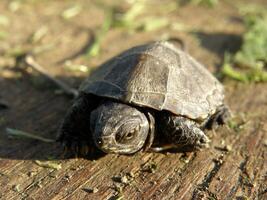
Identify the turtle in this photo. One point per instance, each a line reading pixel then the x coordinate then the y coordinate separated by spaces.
pixel 153 90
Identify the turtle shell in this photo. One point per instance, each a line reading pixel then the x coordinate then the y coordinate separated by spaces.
pixel 159 76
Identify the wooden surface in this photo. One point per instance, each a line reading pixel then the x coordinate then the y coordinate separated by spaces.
pixel 234 167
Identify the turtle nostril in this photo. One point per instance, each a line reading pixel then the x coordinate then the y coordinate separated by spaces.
pixel 99 141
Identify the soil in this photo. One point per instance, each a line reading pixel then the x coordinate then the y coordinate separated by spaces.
pixel 233 167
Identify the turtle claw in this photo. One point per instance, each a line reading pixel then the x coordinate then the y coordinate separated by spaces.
pixel 74 146
pixel 64 152
pixel 84 149
pixel 202 144
pixel 66 148
pixel 204 140
pixel 219 118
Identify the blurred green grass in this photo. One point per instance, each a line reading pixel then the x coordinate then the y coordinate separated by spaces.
pixel 248 64
pixel 210 3
pixel 134 18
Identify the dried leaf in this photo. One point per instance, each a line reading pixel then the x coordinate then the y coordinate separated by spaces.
pixel 39 34
pixel 71 12
pixel 4 21
pixel 76 67
pixel 48 164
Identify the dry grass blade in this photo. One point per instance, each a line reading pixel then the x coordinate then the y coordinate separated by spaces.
pixel 67 89
pixel 21 134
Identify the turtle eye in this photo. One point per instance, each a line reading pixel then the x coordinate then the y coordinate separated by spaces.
pixel 126 135
pixel 129 135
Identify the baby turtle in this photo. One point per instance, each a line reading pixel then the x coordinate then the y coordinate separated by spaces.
pixel 149 90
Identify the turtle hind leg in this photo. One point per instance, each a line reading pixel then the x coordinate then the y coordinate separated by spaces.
pixel 219 118
pixel 184 133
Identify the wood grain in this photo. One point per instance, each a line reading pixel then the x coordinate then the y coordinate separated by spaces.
pixel 233 167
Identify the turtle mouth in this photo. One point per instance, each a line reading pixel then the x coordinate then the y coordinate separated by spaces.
pixel 108 144
pixel 104 141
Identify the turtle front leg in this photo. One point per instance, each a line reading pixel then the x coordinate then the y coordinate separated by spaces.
pixel 219 118
pixel 75 134
pixel 183 133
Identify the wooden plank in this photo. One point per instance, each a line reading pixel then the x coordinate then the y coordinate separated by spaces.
pixel 238 172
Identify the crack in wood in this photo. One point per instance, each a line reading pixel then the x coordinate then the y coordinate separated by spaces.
pixel 35 183
pixel 242 167
pixel 203 188
pixel 183 169
pixel 83 184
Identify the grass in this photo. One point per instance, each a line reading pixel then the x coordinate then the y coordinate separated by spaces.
pixel 248 64
pixel 94 49
pixel 138 17
pixel 252 74
pixel 253 52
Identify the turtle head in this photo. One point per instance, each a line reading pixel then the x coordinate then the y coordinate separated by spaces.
pixel 119 128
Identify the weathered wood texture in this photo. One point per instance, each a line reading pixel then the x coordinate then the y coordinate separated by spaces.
pixel 234 167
